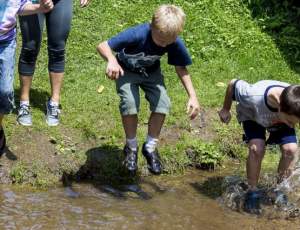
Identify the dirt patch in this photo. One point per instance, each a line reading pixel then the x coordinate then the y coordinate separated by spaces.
pixel 200 128
pixel 36 157
pixel 27 147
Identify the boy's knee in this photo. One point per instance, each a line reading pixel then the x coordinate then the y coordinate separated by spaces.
pixel 289 150
pixel 129 107
pixel 256 150
pixel 162 105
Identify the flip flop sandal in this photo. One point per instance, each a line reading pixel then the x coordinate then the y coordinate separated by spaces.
pixel 2 141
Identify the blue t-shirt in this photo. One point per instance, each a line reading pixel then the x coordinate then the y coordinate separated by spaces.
pixel 136 47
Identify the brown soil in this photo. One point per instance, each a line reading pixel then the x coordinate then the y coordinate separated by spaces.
pixel 29 146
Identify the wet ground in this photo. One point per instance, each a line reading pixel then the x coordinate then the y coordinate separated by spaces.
pixel 184 202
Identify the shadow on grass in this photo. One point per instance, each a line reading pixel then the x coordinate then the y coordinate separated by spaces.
pixel 281 20
pixel 211 188
pixel 104 170
pixel 38 99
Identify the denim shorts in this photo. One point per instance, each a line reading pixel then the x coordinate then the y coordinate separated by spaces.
pixel 153 85
pixel 7 64
pixel 280 135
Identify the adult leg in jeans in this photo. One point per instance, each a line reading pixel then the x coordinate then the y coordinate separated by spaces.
pixel 7 62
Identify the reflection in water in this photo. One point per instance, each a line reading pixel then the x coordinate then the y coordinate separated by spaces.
pixel 154 203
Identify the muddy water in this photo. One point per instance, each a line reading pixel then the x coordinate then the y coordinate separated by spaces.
pixel 155 203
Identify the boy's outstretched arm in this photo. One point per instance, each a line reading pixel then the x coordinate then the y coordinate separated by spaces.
pixel 113 69
pixel 193 107
pixel 43 7
pixel 224 113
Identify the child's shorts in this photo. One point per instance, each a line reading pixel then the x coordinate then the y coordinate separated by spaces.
pixel 281 135
pixel 7 63
pixel 153 85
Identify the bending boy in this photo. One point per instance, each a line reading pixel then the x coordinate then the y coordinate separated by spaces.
pixel 137 65
pixel 266 105
pixel 8 11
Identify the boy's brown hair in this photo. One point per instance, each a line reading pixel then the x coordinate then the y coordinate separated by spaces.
pixel 290 100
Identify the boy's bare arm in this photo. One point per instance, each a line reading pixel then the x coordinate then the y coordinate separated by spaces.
pixel 43 7
pixel 224 113
pixel 193 107
pixel 113 69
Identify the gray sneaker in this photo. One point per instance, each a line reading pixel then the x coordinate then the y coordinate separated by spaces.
pixel 52 116
pixel 24 116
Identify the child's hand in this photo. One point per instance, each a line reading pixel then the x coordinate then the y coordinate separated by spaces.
pixel 193 107
pixel 46 5
pixel 114 70
pixel 224 115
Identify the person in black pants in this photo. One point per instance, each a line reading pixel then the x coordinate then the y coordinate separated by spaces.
pixel 58 24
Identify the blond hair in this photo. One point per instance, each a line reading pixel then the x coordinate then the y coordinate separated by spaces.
pixel 168 19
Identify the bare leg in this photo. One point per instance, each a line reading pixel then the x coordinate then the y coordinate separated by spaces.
pixel 155 124
pixel 288 160
pixel 56 80
pixel 25 83
pixel 256 154
pixel 130 125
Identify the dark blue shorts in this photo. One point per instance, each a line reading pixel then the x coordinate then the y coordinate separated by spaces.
pixel 281 135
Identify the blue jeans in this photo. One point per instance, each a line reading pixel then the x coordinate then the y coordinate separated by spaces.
pixel 7 64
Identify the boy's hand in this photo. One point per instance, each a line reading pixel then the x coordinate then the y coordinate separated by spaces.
pixel 114 70
pixel 193 107
pixel 224 115
pixel 46 5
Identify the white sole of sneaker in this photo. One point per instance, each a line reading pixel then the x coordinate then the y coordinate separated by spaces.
pixel 23 124
pixel 52 125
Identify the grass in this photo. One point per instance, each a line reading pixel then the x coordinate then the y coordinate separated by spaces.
pixel 221 47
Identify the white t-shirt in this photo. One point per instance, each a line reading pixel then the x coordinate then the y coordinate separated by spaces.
pixel 252 102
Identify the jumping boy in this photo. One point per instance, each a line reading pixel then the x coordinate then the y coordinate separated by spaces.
pixel 9 9
pixel 137 65
pixel 266 105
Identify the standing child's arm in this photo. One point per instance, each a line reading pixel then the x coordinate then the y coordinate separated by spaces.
pixel 43 7
pixel 193 107
pixel 224 113
pixel 113 69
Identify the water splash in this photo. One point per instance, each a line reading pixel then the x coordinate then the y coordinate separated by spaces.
pixel 291 185
pixel 276 202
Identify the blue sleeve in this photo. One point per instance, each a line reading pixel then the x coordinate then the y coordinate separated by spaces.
pixel 128 37
pixel 178 54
